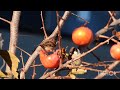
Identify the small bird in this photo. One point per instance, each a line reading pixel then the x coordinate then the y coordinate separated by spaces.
pixel 74 53
pixel 49 45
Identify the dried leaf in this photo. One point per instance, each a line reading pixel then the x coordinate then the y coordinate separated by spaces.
pixel 72 76
pixel 81 71
pixel 2 75
pixel 11 60
pixel 78 71
pixel 1 41
pixel 74 71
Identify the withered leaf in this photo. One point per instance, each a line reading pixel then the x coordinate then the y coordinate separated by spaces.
pixel 11 60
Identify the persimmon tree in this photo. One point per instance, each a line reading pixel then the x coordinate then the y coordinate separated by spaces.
pixel 54 57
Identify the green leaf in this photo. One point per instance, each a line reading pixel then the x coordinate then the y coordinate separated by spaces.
pixel 11 60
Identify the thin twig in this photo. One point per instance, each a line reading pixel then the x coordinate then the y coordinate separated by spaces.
pixel 111 15
pixel 45 72
pixel 94 54
pixel 61 23
pixel 5 20
pixel 95 64
pixel 106 37
pixel 60 77
pixel 59 37
pixel 43 25
pixel 85 68
pixel 108 61
pixel 83 54
pixel 22 59
pixel 86 22
pixel 36 65
pixel 34 69
pixel 50 73
pixel 109 26
pixel 29 62
pixel 109 21
pixel 22 50
pixel 59 31
pixel 111 66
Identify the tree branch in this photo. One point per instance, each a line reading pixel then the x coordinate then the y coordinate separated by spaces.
pixel 74 59
pixel 101 75
pixel 13 34
pixel 43 25
pixel 36 52
pixel 83 54
pixel 61 23
pixel 14 31
pixel 108 27
pixel 5 20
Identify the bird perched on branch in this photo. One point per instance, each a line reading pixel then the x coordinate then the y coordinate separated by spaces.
pixel 49 45
pixel 74 53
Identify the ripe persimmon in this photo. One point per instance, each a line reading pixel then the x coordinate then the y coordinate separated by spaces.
pixel 115 51
pixel 49 61
pixel 82 36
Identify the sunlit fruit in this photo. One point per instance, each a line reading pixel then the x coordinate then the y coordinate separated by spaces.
pixel 82 36
pixel 49 61
pixel 115 51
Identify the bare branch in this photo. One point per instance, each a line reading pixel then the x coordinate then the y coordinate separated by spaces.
pixel 111 15
pixel 109 26
pixel 86 22
pixel 61 23
pixel 36 65
pixel 43 25
pixel 102 36
pixel 59 31
pixel 13 33
pixel 94 54
pixel 23 50
pixel 106 28
pixel 29 61
pixel 72 60
pixel 34 69
pixel 5 20
pixel 50 73
pixel 59 37
pixel 36 52
pixel 101 75
pixel 22 59
pixel 83 54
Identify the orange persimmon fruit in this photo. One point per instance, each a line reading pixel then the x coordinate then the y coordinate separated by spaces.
pixel 115 51
pixel 49 61
pixel 82 36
